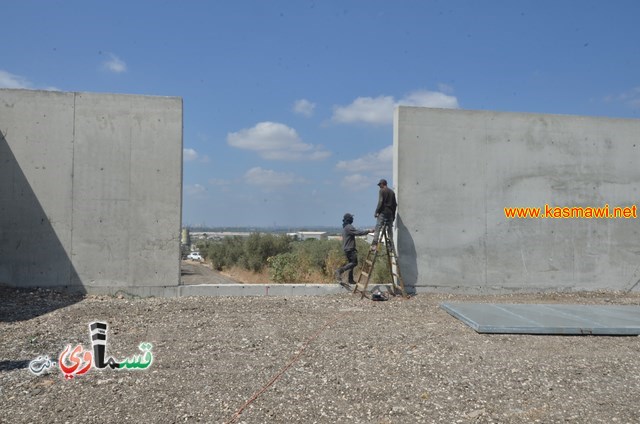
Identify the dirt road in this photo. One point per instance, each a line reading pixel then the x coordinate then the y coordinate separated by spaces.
pixel 193 272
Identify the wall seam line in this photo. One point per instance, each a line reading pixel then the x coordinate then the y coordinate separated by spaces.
pixel 486 224
pixel 73 173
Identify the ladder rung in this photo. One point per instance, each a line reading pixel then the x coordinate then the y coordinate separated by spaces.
pixel 368 262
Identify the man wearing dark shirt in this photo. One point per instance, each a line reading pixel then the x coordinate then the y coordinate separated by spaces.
pixel 349 233
pixel 385 211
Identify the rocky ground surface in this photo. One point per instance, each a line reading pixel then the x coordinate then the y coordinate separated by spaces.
pixel 351 361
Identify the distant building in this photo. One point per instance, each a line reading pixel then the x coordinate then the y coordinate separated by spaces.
pixel 369 238
pixel 211 235
pixel 219 235
pixel 185 239
pixel 307 235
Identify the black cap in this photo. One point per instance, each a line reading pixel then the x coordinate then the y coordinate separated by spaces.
pixel 382 182
pixel 347 216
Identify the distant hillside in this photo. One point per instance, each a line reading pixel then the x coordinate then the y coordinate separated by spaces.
pixel 272 230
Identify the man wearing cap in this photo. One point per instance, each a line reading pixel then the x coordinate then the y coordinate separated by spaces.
pixel 349 233
pixel 385 211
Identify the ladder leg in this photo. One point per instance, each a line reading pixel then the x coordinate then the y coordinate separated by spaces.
pixel 397 282
pixel 388 247
pixel 365 273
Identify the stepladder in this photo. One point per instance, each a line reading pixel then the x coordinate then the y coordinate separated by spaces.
pixel 397 286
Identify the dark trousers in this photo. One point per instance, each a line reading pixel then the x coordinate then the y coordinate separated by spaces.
pixel 382 220
pixel 352 257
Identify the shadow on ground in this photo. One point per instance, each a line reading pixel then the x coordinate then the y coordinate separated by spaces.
pixel 25 304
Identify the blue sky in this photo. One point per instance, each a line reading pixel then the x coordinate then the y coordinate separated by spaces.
pixel 288 105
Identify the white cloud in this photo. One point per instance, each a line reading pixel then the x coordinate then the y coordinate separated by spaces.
pixel 189 155
pixel 222 185
pixel 296 156
pixel 219 182
pixel 379 110
pixel 115 64
pixel 369 110
pixel 266 136
pixel 631 98
pixel 430 99
pixel 380 162
pixel 275 141
pixel 195 191
pixel 270 179
pixel 304 107
pixel 9 80
pixel 445 88
pixel 356 182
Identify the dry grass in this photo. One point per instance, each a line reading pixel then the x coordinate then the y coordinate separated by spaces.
pixel 244 276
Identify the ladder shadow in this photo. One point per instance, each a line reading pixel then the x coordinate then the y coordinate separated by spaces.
pixel 407 256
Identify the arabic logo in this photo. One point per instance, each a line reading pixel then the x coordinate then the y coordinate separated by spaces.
pixel 77 357
pixel 78 361
pixel 41 364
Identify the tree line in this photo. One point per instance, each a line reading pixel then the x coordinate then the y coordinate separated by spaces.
pixel 287 260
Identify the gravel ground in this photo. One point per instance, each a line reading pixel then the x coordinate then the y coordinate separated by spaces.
pixel 401 361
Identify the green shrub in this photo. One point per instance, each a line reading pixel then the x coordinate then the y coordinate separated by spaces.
pixel 283 268
pixel 225 253
pixel 259 247
pixel 316 254
pixel 381 273
pixel 335 259
pixel 247 252
pixel 289 261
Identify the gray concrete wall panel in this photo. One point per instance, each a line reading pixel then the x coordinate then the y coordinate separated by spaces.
pixel 154 190
pixel 102 174
pixel 36 150
pixel 456 170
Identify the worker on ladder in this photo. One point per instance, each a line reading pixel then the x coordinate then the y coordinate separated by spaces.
pixel 385 215
pixel 349 233
pixel 385 211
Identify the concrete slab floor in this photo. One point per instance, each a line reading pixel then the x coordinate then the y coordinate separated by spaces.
pixel 622 320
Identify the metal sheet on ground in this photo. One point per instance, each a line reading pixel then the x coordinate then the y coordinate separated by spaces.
pixel 618 320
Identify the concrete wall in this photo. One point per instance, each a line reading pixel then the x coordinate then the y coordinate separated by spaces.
pixel 457 170
pixel 90 190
